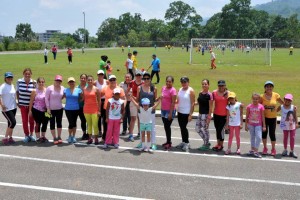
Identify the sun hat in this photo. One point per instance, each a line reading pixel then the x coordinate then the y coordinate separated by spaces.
pixel 8 74
pixel 71 79
pixel 58 78
pixel 231 95
pixel 289 97
pixel 145 101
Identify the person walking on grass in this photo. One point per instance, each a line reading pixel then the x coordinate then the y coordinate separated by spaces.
pixel 46 55
pixel 234 121
pixel 212 60
pixel 155 68
pixel 54 51
pixel 205 102
pixel 70 55
pixel 37 109
pixel 9 106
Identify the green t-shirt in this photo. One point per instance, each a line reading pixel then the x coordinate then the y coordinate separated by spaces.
pixel 102 65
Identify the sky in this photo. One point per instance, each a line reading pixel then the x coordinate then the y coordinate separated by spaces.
pixel 67 15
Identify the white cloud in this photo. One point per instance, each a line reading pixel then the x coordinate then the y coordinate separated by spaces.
pixel 50 4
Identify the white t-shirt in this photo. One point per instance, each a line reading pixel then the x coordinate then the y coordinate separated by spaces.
pixel 45 52
pixel 234 114
pixel 100 87
pixel 130 63
pixel 115 108
pixel 8 95
pixel 145 116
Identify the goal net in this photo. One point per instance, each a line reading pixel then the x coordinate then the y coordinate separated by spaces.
pixel 231 51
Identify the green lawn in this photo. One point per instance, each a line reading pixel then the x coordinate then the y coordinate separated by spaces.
pixel 240 78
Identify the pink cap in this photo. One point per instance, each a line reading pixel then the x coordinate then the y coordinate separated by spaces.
pixel 289 96
pixel 58 78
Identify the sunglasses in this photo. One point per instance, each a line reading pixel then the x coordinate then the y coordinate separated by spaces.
pixel 113 79
pixel 146 78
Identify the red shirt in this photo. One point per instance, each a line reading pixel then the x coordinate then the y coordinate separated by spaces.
pixel 69 52
pixel 54 49
pixel 134 86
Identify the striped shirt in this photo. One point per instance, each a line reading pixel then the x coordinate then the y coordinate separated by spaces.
pixel 25 90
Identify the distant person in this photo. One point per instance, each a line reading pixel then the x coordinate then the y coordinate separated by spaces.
pixel 128 48
pixel 135 61
pixel 291 50
pixel 223 48
pixel 122 49
pixel 54 51
pixel 155 68
pixel 187 48
pixel 129 65
pixel 109 68
pixel 155 47
pixel 70 55
pixel 182 47
pixel 212 59
pixel 102 64
pixel 203 50
pixel 82 50
pixel 46 55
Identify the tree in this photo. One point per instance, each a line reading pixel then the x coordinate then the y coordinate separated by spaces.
pixel 69 41
pixel 80 34
pixel 155 28
pixel 24 33
pixel 6 42
pixel 108 31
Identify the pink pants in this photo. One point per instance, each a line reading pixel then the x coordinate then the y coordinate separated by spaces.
pixel 113 131
pixel 25 119
pixel 292 138
pixel 232 130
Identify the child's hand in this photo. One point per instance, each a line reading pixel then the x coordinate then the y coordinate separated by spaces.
pixel 297 126
pixel 121 121
pixel 190 118
pixel 246 128
pixel 264 128
pixel 241 126
pixel 226 127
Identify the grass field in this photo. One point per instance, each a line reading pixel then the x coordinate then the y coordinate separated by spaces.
pixel 240 78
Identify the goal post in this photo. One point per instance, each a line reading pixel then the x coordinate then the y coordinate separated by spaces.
pixel 231 51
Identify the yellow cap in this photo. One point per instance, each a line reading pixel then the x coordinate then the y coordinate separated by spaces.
pixel 231 95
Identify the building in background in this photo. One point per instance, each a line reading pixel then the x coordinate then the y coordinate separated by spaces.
pixel 44 37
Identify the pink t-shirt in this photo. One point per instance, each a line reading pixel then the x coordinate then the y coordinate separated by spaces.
pixel 54 98
pixel 255 114
pixel 220 104
pixel 167 94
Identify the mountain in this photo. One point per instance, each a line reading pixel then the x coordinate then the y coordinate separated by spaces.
pixel 285 8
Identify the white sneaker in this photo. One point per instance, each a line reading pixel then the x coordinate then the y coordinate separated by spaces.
pixel 186 147
pixel 180 146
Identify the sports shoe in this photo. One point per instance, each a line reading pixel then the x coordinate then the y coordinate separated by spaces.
pixel 238 152
pixel 203 148
pixel 32 138
pixel 74 140
pixel 256 155
pixel 59 140
pixel 215 148
pixel 5 141
pixel 90 141
pixel 179 146
pixel 26 139
pixel 123 133
pixel 146 149
pixel 154 147
pixel 116 146
pixel 168 146
pixel 70 139
pixel 250 153
pixel 105 146
pixel 39 140
pixel 85 136
pixel 100 134
pixel 55 141
pixel 273 152
pixel 186 147
pixel 292 154
pixel 164 144
pixel 96 141
pixel 45 140
pixel 284 153
pixel 265 151
pixel 139 145
pixel 228 151
pixel 11 140
pixel 130 138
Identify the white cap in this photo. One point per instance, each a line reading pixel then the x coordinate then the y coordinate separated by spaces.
pixel 117 90
pixel 112 76
pixel 100 71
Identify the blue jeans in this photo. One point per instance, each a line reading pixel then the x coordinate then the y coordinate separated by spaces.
pixel 256 134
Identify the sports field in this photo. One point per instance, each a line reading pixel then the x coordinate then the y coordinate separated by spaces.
pixel 240 78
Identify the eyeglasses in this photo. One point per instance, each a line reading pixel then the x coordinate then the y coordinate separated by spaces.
pixel 113 79
pixel 146 78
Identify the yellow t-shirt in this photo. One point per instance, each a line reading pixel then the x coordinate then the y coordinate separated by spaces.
pixel 133 58
pixel 270 105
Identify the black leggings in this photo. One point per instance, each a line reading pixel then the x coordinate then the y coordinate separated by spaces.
pixel 11 118
pixel 167 126
pixel 70 59
pixel 183 120
pixel 102 117
pixel 72 116
pixel 131 72
pixel 56 116
pixel 157 75
pixel 82 119
pixel 219 122
pixel 126 119
pixel 104 125
pixel 40 119
pixel 271 127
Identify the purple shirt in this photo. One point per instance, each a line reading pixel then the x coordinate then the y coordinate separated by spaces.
pixel 53 98
pixel 39 100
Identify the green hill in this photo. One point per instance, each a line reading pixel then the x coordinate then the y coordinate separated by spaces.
pixel 285 8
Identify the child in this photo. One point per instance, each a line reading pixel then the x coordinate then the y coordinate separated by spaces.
pixel 108 68
pixel 145 116
pixel 114 117
pixel 288 124
pixel 255 123
pixel 234 121
pixel 129 65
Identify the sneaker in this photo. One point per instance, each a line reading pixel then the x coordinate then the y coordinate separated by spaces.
pixel 123 133
pixel 139 145
pixel 116 146
pixel 284 153
pixel 273 152
pixel 130 138
pixel 90 141
pixel 168 146
pixel 5 141
pixel 59 140
pixel 250 153
pixel 203 148
pixel 256 155
pixel 141 149
pixel 146 149
pixel 55 141
pixel 74 140
pixel 164 144
pixel 11 140
pixel 179 146
pixel 216 147
pixel 26 139
pixel 154 147
pixel 85 136
pixel 32 138
pixel 39 140
pixel 228 151
pixel 105 146
pixel 265 151
pixel 70 139
pixel 45 140
pixel 186 147
pixel 238 152
pixel 138 136
pixel 96 141
pixel 292 154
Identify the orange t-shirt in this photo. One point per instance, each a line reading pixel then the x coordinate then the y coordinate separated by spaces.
pixel 108 93
pixel 90 102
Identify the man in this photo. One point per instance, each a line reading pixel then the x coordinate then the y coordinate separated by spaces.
pixel 212 59
pixel 155 68
pixel 135 62
pixel 46 55
pixel 54 51
pixel 102 64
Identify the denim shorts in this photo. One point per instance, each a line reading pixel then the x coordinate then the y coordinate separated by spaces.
pixel 146 127
pixel 165 113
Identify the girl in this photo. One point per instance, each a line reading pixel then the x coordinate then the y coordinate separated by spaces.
pixel 145 116
pixel 205 102
pixel 255 123
pixel 9 106
pixel 234 121
pixel 37 109
pixel 288 123
pixel 114 116
pixel 82 86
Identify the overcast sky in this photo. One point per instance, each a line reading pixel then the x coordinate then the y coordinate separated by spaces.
pixel 67 15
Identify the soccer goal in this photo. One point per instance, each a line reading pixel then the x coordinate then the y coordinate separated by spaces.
pixel 232 52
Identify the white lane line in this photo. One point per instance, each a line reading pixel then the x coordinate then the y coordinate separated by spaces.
pixel 153 171
pixel 177 138
pixel 188 153
pixel 50 189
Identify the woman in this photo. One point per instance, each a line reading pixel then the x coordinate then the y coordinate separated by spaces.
pixel 54 96
pixel 37 109
pixel 126 119
pixel 92 108
pixel 73 96
pixel 186 101
pixel 100 83
pixel 70 55
pixel 205 102
pixel 220 113
pixel 24 88
pixel 168 94
pixel 269 100
pixel 107 92
pixel 148 90
pixel 82 86
pixel 9 106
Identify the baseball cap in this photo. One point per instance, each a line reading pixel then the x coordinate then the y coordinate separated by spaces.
pixel 184 79
pixel 269 83
pixel 71 79
pixel 111 77
pixel 8 74
pixel 138 72
pixel 231 95
pixel 221 83
pixel 58 78
pixel 145 101
pixel 100 71
pixel 289 96
pixel 117 90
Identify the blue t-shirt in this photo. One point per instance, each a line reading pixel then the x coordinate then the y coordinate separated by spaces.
pixel 72 99
pixel 155 63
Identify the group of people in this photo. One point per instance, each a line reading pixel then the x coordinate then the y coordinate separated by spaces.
pixel 54 52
